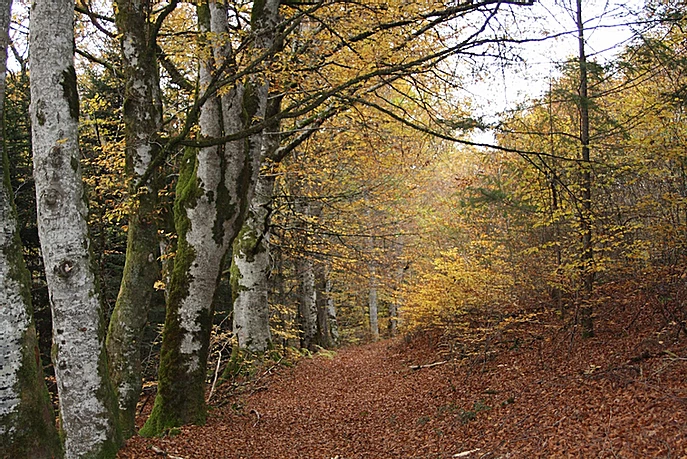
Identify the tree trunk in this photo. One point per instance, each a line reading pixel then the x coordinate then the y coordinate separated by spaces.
pixel 250 273
pixel 142 120
pixel 305 270
pixel 373 305
pixel 331 313
pixel 324 337
pixel 586 319
pixel 27 423
pixel 307 307
pixel 213 191
pixel 393 319
pixel 88 408
pixel 251 261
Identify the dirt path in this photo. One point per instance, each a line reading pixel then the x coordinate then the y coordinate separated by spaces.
pixel 366 402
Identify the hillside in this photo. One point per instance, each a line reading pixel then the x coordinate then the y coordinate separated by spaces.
pixel 532 389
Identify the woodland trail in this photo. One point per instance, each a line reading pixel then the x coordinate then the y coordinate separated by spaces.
pixel 519 402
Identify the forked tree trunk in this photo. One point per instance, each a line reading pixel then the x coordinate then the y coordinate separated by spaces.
pixel 27 423
pixel 214 188
pixel 88 408
pixel 142 120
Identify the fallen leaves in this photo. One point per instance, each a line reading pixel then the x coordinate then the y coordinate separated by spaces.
pixel 587 399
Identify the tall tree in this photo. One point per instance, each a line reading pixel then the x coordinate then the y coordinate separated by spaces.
pixel 138 30
pixel 251 269
pixel 88 409
pixel 27 424
pixel 587 257
pixel 213 193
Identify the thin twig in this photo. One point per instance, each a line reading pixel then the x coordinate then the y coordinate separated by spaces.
pixel 214 380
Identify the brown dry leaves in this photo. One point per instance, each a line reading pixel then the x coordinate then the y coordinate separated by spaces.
pixel 601 398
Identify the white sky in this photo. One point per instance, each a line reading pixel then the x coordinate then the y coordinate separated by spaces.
pixel 503 89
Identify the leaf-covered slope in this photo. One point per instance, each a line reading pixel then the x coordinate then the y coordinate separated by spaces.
pixel 532 392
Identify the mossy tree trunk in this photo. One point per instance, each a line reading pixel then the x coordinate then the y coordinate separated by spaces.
pixel 250 272
pixel 27 423
pixel 88 408
pixel 142 121
pixel 213 192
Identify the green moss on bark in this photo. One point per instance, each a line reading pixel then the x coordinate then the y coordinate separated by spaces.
pixel 33 426
pixel 179 401
pixel 131 310
pixel 33 432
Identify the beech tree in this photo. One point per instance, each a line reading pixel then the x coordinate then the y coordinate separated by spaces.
pixel 27 424
pixel 88 409
pixel 138 30
pixel 213 193
pixel 251 265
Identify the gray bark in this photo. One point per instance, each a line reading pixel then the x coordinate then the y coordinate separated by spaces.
pixel 307 307
pixel 327 329
pixel 142 120
pixel 88 409
pixel 332 322
pixel 27 424
pixel 373 305
pixel 307 292
pixel 250 273
pixel 214 189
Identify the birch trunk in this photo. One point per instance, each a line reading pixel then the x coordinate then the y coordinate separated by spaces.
pixel 214 188
pixel 88 411
pixel 142 120
pixel 27 423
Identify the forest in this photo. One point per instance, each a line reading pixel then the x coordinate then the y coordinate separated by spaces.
pixel 240 229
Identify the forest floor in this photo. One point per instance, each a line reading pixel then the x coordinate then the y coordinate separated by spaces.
pixel 532 388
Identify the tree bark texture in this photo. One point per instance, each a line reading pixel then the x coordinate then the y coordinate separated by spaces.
pixel 214 189
pixel 142 121
pixel 250 272
pixel 27 423
pixel 586 318
pixel 307 307
pixel 332 321
pixel 305 270
pixel 326 314
pixel 373 304
pixel 88 409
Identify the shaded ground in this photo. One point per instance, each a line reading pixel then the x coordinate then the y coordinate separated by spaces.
pixel 531 390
